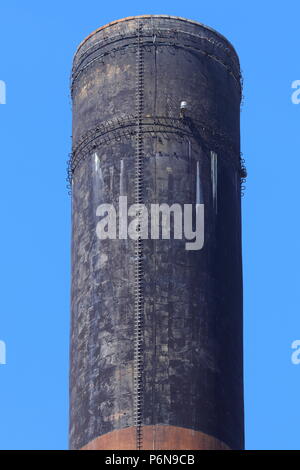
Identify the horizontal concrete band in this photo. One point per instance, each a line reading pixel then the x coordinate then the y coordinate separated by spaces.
pixel 155 17
pixel 157 437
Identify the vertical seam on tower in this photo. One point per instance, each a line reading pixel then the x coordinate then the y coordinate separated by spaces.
pixel 153 404
pixel 139 271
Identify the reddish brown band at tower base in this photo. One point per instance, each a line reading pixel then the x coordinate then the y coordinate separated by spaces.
pixel 158 437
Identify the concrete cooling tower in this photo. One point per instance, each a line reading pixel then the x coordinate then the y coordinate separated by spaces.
pixel 156 333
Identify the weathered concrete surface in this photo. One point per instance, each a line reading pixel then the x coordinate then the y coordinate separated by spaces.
pixel 192 352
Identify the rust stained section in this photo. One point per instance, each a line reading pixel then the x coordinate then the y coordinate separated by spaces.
pixel 157 437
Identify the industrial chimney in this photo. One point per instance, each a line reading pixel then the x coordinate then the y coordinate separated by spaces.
pixel 156 334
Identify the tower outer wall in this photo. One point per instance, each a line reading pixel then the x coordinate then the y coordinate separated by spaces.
pixel 191 392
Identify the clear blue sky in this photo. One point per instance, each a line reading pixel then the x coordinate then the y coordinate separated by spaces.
pixel 37 42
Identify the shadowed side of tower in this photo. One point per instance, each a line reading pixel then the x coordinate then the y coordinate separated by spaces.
pixel 156 334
